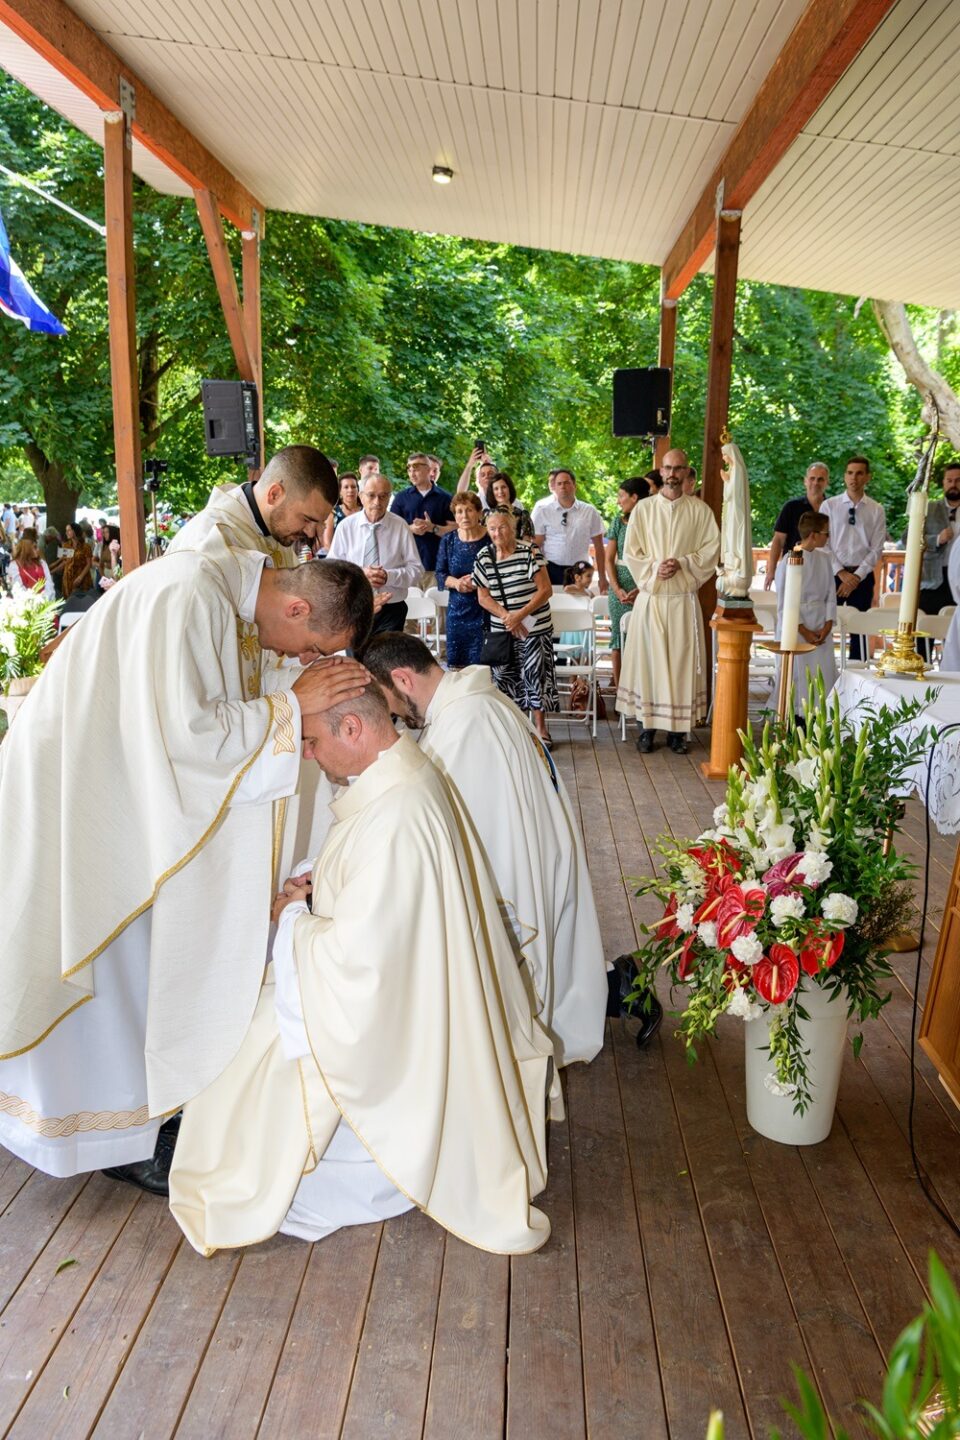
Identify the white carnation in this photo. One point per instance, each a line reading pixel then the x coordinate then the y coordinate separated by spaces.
pixel 720 816
pixel 778 1087
pixel 742 1006
pixel 707 931
pixel 684 918
pixel 841 909
pixel 747 948
pixel 814 866
pixel 786 907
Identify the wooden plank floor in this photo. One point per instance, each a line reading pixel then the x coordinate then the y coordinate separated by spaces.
pixel 691 1261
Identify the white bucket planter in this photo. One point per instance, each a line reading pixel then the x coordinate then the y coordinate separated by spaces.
pixel 825 1036
pixel 17 692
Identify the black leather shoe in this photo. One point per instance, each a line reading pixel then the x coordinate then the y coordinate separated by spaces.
pixel 678 744
pixel 152 1175
pixel 620 981
pixel 649 1012
pixel 645 741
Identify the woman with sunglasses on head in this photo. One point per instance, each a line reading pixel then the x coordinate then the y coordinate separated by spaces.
pixel 504 492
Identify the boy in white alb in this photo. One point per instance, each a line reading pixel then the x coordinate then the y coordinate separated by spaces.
pixel 818 606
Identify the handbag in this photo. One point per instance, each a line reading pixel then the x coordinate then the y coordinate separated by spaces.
pixel 497 644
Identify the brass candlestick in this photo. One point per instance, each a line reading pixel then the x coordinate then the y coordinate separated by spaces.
pixel 902 657
pixel 802 647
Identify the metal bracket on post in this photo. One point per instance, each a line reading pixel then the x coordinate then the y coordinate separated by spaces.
pixel 718 201
pixel 128 106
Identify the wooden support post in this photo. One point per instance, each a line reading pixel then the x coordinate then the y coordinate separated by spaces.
pixel 121 305
pixel 734 634
pixel 666 359
pixel 718 375
pixel 223 274
pixel 252 326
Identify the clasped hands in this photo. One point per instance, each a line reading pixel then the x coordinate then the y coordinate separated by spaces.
pixel 298 887
pixel 848 583
pixel 667 569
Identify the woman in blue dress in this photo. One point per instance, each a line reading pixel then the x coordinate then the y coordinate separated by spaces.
pixel 466 622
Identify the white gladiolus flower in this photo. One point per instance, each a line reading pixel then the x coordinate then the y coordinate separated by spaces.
pixel 707 931
pixel 786 907
pixel 742 1006
pixel 841 909
pixel 720 815
pixel 805 772
pixel 747 948
pixel 815 866
pixel 684 918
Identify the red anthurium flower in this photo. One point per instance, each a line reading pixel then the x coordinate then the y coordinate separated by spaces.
pixel 667 927
pixel 821 952
pixel 732 970
pixel 686 958
pixel 738 912
pixel 717 859
pixel 784 878
pixel 775 977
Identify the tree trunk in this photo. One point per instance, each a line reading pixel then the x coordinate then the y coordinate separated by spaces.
pixel 892 319
pixel 59 496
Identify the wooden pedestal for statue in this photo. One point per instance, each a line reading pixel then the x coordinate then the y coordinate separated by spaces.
pixel 735 629
pixel 940 1028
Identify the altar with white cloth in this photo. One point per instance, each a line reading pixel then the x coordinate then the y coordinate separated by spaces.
pixel 857 688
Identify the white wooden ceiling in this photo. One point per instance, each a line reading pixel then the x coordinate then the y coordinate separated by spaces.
pixel 581 125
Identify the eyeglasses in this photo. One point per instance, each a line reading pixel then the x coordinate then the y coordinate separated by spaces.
pixel 852 516
pixel 563 518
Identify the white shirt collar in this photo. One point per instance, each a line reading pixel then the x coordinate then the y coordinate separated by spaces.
pixel 251 562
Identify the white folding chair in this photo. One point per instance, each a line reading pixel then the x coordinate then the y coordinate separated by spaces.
pixel 441 599
pixel 71 618
pixel 869 624
pixel 575 617
pixel 624 627
pixel 423 611
pixel 602 628
pixel 890 601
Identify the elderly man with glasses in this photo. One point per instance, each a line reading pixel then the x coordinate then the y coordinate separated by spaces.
pixel 565 528
pixel 858 528
pixel 671 549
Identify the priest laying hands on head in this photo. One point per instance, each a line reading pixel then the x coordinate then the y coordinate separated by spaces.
pixel 392 1059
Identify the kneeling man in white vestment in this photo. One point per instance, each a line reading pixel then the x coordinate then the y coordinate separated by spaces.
pixel 489 753
pixel 393 1059
pixel 136 932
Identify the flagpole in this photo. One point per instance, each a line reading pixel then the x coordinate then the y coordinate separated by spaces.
pixel 44 195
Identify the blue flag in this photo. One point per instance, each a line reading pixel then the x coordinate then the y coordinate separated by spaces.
pixel 17 299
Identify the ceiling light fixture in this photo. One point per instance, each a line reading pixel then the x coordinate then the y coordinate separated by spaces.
pixel 442 174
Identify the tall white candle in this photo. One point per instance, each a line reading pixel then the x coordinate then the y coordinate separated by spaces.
pixel 793 583
pixel 917 516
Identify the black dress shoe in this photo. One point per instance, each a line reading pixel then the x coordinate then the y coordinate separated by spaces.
pixel 645 741
pixel 620 981
pixel 678 744
pixel 152 1175
pixel 649 1012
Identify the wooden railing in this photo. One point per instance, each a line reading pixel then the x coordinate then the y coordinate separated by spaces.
pixel 888 576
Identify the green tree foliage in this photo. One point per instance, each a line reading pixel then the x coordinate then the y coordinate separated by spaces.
pixel 387 340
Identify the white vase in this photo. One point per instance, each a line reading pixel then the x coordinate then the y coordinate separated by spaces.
pixel 824 1034
pixel 17 692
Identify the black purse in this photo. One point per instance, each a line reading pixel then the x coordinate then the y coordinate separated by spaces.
pixel 497 644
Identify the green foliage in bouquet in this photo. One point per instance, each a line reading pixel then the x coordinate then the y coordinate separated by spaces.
pixel 27 622
pixel 796 884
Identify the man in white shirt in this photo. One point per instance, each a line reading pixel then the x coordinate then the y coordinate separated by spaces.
pixel 383 546
pixel 858 528
pixel 565 528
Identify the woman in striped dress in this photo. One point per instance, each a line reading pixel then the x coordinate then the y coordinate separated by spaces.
pixel 513 585
pixel 622 592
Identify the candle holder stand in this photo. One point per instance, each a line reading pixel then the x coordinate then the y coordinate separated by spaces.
pixel 785 684
pixel 902 657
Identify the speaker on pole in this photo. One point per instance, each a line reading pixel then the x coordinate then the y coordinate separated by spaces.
pixel 231 418
pixel 641 401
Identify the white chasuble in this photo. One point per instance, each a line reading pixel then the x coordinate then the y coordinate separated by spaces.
pixel 489 754
pixel 420 1033
pixel 143 706
pixel 302 820
pixel 663 681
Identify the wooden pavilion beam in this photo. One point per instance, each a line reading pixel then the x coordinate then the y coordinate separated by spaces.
pixel 121 306
pixel 56 33
pixel 824 42
pixel 252 324
pixel 223 273
pixel 666 358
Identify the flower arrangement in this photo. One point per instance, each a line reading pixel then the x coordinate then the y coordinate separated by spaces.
pixel 27 623
pixel 795 884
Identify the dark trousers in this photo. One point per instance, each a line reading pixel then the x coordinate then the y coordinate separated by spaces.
pixel 557 573
pixel 860 599
pixel 932 602
pixel 391 617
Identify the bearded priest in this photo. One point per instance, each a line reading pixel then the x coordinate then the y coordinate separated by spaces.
pixel 507 783
pixel 393 1059
pixel 136 931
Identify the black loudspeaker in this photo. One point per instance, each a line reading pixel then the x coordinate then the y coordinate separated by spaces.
pixel 231 418
pixel 641 401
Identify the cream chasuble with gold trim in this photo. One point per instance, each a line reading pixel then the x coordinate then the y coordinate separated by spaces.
pixel 420 1035
pixel 144 706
